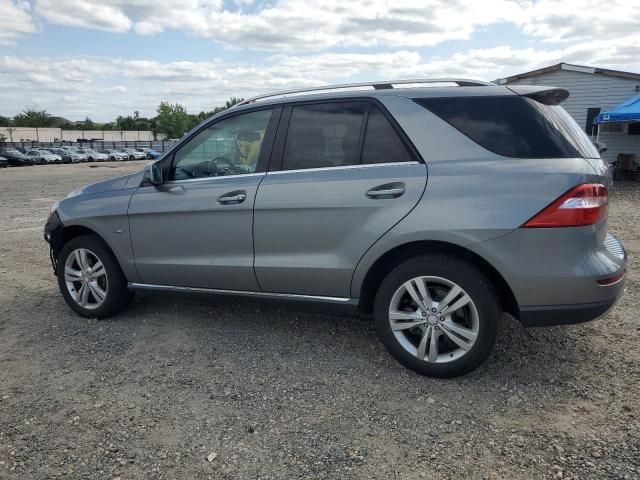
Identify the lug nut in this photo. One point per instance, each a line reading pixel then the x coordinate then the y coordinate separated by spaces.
pixel 433 310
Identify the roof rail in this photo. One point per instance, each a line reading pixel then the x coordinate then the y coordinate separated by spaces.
pixel 384 85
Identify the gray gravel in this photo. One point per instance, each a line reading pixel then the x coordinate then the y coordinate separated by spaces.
pixel 199 387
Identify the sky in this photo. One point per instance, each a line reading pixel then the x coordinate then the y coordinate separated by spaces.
pixel 104 58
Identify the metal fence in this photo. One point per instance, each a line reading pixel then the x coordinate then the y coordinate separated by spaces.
pixel 157 145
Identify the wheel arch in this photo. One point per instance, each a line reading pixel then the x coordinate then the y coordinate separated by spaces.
pixel 376 273
pixel 67 233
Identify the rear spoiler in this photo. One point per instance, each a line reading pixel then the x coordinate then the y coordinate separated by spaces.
pixel 544 95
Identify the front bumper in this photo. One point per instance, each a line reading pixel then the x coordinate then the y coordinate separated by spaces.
pixel 53 236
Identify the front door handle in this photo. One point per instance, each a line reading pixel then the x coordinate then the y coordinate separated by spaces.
pixel 388 190
pixel 233 198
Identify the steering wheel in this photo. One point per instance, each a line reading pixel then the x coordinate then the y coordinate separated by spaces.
pixel 218 166
pixel 223 166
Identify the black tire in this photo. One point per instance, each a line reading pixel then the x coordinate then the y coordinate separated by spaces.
pixel 473 281
pixel 118 296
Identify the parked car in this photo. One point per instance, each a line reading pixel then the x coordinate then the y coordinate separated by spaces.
pixel 4 163
pixel 72 156
pixel 133 154
pixel 16 158
pixel 434 210
pixel 114 155
pixel 93 155
pixel 152 154
pixel 44 156
pixel 64 155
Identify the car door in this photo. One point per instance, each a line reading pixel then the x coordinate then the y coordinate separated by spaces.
pixel 345 175
pixel 195 230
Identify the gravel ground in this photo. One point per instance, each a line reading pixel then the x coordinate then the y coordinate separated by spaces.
pixel 199 387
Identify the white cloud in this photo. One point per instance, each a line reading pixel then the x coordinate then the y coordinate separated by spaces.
pixel 562 20
pixel 303 25
pixel 299 25
pixel 291 24
pixel 103 88
pixel 15 20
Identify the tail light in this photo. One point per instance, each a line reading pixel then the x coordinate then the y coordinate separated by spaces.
pixel 583 205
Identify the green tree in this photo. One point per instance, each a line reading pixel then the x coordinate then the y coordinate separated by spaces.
pixel 172 119
pixel 4 122
pixel 125 123
pixel 228 104
pixel 86 125
pixel 32 118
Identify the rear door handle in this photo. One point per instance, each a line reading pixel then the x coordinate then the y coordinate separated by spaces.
pixel 388 190
pixel 232 198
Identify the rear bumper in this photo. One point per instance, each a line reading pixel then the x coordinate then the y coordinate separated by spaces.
pixel 559 276
pixel 551 315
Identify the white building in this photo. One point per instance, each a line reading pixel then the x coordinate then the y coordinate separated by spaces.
pixel 28 134
pixel 592 90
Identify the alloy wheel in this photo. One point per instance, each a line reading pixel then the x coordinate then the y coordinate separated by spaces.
pixel 434 319
pixel 86 278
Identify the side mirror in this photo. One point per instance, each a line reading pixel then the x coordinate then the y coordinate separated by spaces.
pixel 601 146
pixel 152 174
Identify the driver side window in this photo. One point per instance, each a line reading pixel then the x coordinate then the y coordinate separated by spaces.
pixel 228 147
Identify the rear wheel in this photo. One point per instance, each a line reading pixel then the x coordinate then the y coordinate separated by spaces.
pixel 90 278
pixel 437 315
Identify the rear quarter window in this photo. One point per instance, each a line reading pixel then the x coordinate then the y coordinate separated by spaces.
pixel 506 125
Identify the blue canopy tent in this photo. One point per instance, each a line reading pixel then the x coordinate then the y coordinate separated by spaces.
pixel 629 111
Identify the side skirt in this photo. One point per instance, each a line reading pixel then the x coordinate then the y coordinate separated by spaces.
pixel 286 297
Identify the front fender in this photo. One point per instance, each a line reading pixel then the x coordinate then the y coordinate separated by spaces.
pixel 104 213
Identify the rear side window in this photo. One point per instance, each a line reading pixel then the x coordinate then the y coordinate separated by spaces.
pixel 506 125
pixel 382 144
pixel 324 135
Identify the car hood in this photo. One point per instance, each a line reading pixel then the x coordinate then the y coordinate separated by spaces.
pixel 107 185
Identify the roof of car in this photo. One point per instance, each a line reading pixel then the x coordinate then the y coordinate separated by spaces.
pixel 402 88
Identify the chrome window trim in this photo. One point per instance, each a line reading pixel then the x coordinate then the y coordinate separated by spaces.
pixel 344 167
pixel 173 182
pixel 290 296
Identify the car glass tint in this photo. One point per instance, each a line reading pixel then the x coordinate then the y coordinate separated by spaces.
pixel 230 146
pixel 506 125
pixel 324 135
pixel 382 144
pixel 566 125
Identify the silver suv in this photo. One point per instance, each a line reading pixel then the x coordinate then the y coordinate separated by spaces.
pixel 434 208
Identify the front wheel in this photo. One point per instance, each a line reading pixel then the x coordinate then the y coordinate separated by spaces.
pixel 90 278
pixel 438 315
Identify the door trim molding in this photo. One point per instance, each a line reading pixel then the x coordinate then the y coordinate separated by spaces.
pixel 203 179
pixel 345 167
pixel 244 293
